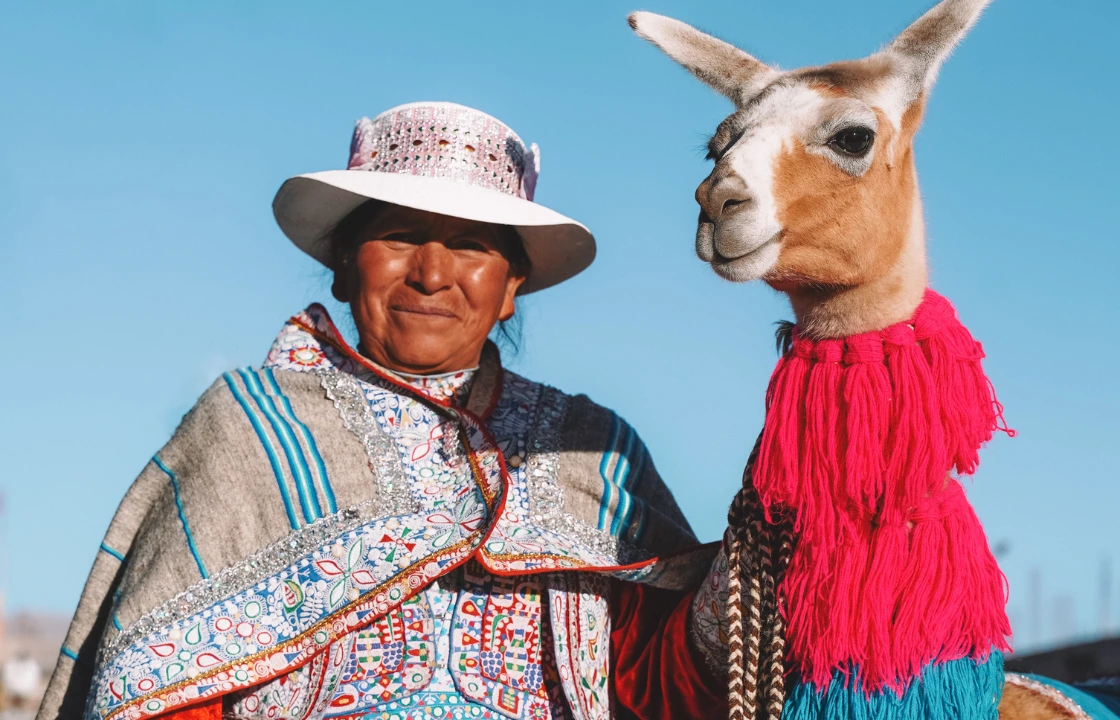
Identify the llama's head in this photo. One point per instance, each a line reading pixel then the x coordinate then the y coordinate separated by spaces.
pixel 814 188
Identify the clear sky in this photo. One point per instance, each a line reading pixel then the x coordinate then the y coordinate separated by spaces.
pixel 141 144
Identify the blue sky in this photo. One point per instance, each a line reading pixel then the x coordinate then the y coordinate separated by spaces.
pixel 141 144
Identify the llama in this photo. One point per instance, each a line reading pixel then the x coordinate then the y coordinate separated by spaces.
pixel 856 565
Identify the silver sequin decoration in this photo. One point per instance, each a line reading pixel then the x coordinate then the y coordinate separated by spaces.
pixel 1067 703
pixel 391 498
pixel 546 497
pixel 392 494
pixel 241 576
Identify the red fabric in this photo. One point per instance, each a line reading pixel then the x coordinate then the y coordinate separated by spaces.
pixel 657 672
pixel 211 710
pixel 891 569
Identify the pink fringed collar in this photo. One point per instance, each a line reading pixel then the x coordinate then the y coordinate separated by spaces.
pixel 863 435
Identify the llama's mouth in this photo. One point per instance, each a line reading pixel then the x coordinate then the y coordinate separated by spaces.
pixel 751 265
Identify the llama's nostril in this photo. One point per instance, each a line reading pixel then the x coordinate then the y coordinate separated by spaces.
pixel 731 204
pixel 721 193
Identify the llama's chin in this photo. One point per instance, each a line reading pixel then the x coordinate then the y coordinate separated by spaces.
pixel 752 266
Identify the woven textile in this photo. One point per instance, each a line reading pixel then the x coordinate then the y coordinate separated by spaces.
pixel 280 520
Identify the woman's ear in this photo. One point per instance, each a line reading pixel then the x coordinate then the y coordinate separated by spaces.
pixel 509 302
pixel 339 286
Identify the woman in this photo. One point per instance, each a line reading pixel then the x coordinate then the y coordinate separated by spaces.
pixel 402 529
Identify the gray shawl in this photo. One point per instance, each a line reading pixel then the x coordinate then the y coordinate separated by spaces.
pixel 280 495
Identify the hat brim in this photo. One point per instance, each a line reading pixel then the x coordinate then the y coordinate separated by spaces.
pixel 308 207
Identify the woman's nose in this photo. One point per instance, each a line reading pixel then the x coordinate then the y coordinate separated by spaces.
pixel 431 269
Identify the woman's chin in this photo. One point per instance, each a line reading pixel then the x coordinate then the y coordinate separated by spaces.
pixel 426 356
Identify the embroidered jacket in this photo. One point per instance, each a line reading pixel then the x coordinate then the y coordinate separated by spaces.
pixel 276 542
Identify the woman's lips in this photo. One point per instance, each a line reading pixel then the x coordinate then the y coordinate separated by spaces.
pixel 424 310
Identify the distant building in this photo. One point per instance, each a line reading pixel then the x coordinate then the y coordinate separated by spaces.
pixel 29 647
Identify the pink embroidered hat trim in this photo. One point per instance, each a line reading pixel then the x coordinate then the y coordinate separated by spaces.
pixel 442 158
pixel 446 141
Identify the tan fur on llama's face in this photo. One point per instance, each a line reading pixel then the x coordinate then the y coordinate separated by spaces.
pixel 814 188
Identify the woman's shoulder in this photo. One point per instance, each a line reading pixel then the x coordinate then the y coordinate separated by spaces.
pixel 575 404
pixel 242 404
pixel 606 471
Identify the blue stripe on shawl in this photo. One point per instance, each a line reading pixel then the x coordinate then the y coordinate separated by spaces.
pixel 643 520
pixel 308 502
pixel 621 474
pixel 629 455
pixel 604 465
pixel 69 653
pixel 116 617
pixel 268 449
pixel 623 519
pixel 302 430
pixel 112 552
pixel 182 516
pixel 622 471
pixel 957 690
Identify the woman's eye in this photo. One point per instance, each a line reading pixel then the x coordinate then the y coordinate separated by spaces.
pixel 398 238
pixel 472 245
pixel 854 141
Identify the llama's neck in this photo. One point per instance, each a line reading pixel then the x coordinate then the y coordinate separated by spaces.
pixel 879 303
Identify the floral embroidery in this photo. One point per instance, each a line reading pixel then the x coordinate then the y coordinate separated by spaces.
pixel 435 465
pixel 709 620
pixel 357 623
pixel 450 387
pixel 496 644
pixel 295 695
pixel 276 624
pixel 581 622
pixel 389 660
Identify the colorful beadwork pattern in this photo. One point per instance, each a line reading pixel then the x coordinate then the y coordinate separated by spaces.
pixel 280 623
pixel 532 534
pixel 496 644
pixel 345 619
pixel 581 623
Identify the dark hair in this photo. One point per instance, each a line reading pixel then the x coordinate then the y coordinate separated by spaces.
pixel 345 238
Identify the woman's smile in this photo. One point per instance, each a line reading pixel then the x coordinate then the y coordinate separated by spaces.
pixel 425 290
pixel 431 311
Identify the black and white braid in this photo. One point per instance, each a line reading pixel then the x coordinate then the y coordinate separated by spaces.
pixel 758 553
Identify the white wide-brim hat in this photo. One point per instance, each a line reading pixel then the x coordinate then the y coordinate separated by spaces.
pixel 442 158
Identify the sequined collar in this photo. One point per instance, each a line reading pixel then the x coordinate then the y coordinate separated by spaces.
pixel 310 340
pixel 453 387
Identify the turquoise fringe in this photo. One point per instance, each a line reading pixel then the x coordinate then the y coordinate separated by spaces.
pixel 957 690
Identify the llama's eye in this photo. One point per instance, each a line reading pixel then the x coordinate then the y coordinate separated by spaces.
pixel 853 141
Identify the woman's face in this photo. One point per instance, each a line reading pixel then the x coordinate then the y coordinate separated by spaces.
pixel 425 290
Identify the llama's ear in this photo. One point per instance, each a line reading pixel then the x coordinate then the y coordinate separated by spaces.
pixel 924 46
pixel 724 67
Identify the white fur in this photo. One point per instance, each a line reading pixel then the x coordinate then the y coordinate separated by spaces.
pixel 747 241
pixel 893 96
pixel 741 239
pixel 725 68
pixel 928 42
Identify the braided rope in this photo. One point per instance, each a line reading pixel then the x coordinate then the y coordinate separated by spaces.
pixel 773 678
pixel 753 628
pixel 739 703
pixel 759 551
